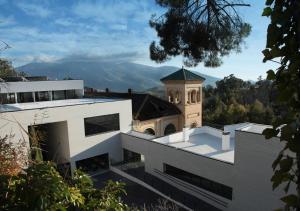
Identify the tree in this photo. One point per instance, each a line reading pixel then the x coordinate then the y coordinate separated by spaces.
pixel 39 186
pixel 200 31
pixel 283 47
pixel 6 69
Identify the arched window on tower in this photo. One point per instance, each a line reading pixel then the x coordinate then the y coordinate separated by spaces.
pixel 177 97
pixel 193 96
pixel 150 131
pixel 189 97
pixel 169 129
pixel 198 95
pixel 171 96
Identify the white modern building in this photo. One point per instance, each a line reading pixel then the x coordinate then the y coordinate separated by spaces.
pixel 228 169
pixel 35 89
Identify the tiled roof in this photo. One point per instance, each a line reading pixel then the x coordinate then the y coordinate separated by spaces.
pixel 183 75
pixel 144 106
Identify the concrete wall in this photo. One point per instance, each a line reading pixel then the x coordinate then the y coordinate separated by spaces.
pixel 156 154
pixel 80 146
pixel 254 156
pixel 35 86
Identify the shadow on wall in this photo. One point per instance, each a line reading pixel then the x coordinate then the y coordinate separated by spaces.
pixel 111 146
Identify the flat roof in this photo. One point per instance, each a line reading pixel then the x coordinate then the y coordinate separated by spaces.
pixel 255 128
pixel 52 104
pixel 207 145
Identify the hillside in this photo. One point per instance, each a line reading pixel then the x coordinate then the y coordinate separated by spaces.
pixel 117 76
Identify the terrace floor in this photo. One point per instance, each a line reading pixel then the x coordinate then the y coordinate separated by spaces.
pixel 208 146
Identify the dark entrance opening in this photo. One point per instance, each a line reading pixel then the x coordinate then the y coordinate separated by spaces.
pixel 49 142
pixel 94 164
pixel 130 157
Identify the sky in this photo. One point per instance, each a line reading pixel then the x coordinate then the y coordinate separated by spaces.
pixel 51 30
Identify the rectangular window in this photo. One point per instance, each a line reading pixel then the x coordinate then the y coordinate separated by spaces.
pixel 59 95
pixel 101 124
pixel 200 182
pixel 25 97
pixel 42 96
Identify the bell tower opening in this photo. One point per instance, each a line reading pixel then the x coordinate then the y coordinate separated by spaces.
pixel 184 89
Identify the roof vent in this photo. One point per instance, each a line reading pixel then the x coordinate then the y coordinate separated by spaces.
pixel 226 141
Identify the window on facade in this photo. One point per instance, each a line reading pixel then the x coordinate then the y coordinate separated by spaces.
pixel 201 182
pixel 42 96
pixel 177 97
pixel 59 95
pixel 71 94
pixel 24 97
pixel 193 96
pixel 170 128
pixel 198 96
pixel 101 124
pixel 150 131
pixel 171 97
pixel 3 98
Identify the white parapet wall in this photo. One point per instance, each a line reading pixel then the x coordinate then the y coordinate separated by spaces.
pixel 234 127
pixel 184 135
pixel 38 86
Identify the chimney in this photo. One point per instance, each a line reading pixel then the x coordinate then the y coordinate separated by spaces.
pixel 106 90
pixel 129 91
pixel 226 140
pixel 185 133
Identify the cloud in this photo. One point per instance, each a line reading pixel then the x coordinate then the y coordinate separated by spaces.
pixel 64 21
pixel 118 27
pixel 114 11
pixel 34 9
pixel 118 57
pixel 7 20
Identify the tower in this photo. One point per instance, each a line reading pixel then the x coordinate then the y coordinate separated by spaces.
pixel 184 89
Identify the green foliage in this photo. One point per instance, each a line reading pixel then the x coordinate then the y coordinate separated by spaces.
pixel 41 187
pixel 283 47
pixel 200 31
pixel 234 100
pixel 6 69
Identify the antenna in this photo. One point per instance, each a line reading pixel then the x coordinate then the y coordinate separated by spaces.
pixel 6 46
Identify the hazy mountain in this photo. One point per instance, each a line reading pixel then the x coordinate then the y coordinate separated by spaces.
pixel 101 74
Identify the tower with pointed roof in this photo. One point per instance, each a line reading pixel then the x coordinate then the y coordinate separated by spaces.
pixel 184 89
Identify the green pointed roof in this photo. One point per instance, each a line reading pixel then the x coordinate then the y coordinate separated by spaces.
pixel 182 75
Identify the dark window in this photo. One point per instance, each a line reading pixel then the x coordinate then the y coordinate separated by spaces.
pixel 130 156
pixel 198 181
pixel 42 96
pixel 11 98
pixel 101 124
pixel 59 95
pixel 150 131
pixel 169 129
pixel 71 94
pixel 24 97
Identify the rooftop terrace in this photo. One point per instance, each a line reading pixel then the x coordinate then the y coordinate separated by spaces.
pixel 205 141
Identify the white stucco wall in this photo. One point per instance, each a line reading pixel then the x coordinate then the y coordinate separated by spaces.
pixel 35 86
pixel 80 146
pixel 254 156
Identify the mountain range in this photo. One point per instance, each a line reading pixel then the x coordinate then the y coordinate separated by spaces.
pixel 99 74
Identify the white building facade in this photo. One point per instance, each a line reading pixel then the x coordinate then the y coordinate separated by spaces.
pixel 228 169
